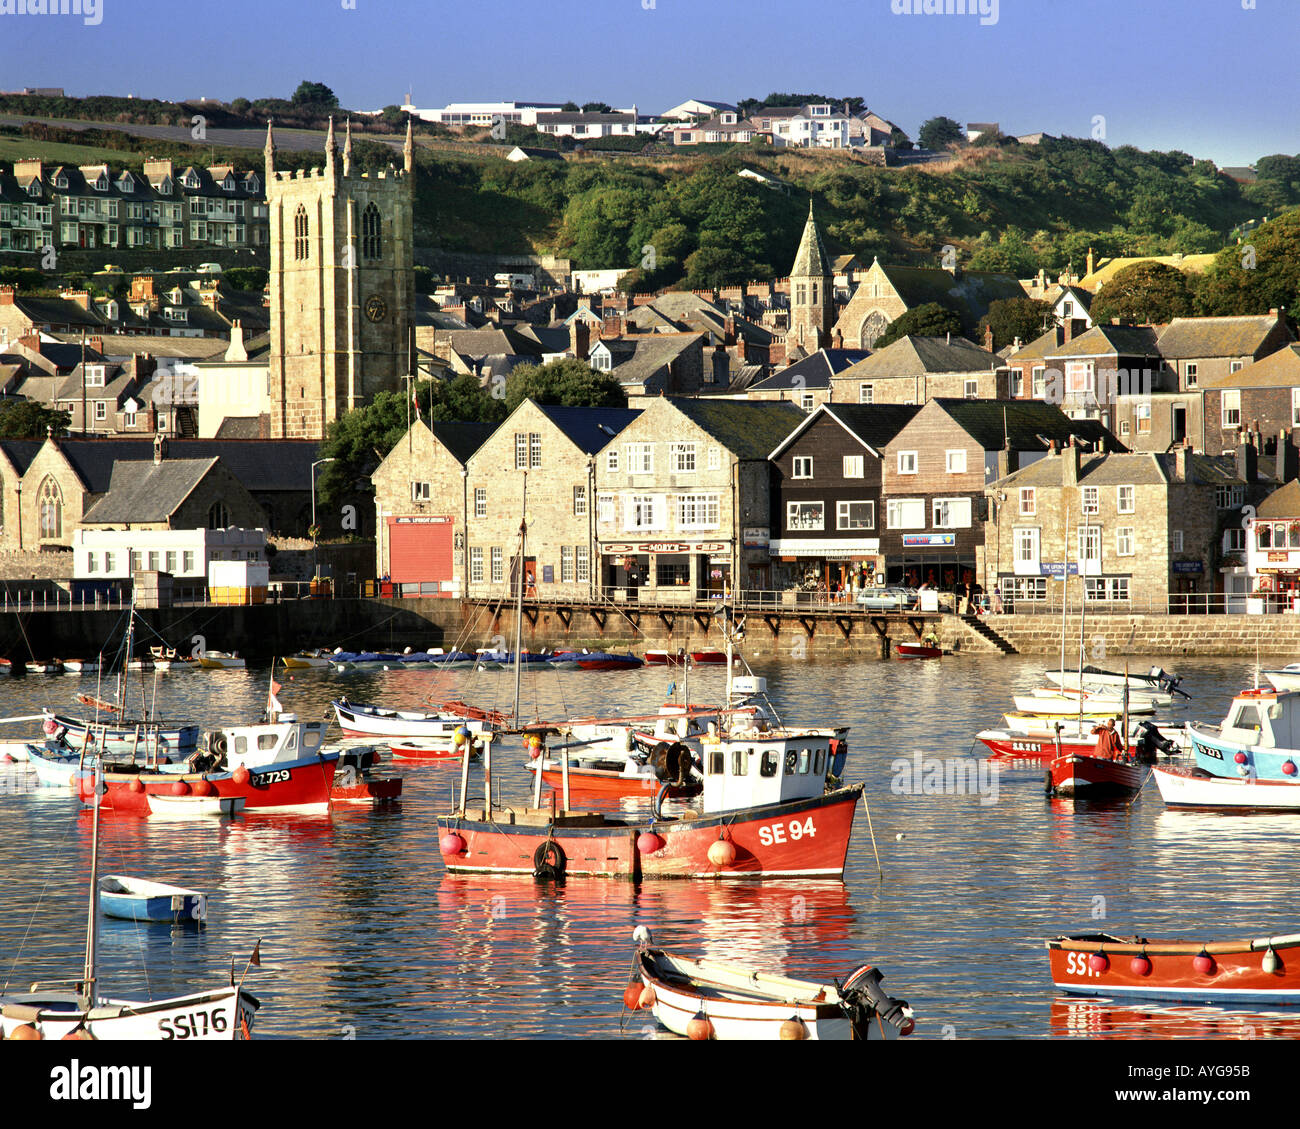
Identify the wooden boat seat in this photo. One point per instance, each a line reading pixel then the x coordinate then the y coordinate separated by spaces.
pixel 541 817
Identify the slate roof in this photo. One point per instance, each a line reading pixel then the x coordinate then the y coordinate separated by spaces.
pixel 650 353
pixel 1277 370
pixel 21 452
pixel 240 427
pixel 1283 502
pixel 813 371
pixel 462 439
pixel 911 356
pixel 1100 340
pixel 1028 423
pixel 156 345
pixel 872 424
pixel 590 429
pixel 1125 468
pixel 260 464
pixel 141 490
pixel 489 342
pixel 811 260
pixel 57 311
pixel 748 428
pixel 1188 338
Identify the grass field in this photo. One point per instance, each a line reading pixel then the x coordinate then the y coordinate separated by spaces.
pixel 53 152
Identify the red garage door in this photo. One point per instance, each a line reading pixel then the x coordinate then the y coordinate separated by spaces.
pixel 420 551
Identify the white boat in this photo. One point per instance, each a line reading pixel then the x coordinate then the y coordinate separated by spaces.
pixel 80 666
pixel 195 807
pixel 1288 678
pixel 308 660
pixel 221 660
pixel 707 999
pixel 1108 694
pixel 140 899
pixel 1044 728
pixel 44 666
pixel 1188 787
pixel 430 726
pixel 1067 705
pixel 75 1009
pixel 1157 678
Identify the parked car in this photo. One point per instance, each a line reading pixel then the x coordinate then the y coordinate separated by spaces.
pixel 883 599
pixel 209 268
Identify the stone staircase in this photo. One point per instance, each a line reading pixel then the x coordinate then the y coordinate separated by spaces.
pixel 981 628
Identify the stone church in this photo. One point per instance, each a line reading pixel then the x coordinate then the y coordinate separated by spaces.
pixel 342 286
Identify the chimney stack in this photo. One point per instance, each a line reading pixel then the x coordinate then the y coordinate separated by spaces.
pixel 1248 461
pixel 988 338
pixel 236 351
pixel 1180 462
pixel 580 339
pixel 1067 330
pixel 7 295
pixel 1070 466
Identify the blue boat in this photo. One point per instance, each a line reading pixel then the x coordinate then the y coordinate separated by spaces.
pixel 138 899
pixel 1259 738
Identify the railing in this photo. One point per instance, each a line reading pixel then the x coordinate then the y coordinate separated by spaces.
pixel 1177 603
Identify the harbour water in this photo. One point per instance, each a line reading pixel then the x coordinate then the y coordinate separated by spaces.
pixel 365 936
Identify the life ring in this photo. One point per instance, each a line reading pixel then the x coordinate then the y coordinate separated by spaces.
pixel 549 861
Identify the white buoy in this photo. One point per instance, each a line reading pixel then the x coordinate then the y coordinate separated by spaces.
pixel 641 935
pixel 900 836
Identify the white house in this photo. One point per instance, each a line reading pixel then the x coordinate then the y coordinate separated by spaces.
pixel 186 554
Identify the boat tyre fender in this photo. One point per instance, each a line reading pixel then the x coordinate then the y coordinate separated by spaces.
pixel 549 862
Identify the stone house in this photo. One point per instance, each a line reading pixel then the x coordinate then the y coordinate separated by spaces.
pixel 659 364
pixel 913 370
pixel 827 506
pixel 23 316
pixel 1146 531
pixel 1268 548
pixel 884 294
pixel 684 497
pixel 423 506
pixel 807 382
pixel 1262 397
pixel 553 449
pixel 935 471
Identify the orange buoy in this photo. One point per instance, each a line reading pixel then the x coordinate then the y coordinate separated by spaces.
pixel 240 775
pixel 794 1028
pixel 700 1028
pixel 79 1033
pixel 203 787
pixel 632 997
pixel 136 785
pixel 722 853
pixel 25 1031
pixel 180 788
pixel 647 999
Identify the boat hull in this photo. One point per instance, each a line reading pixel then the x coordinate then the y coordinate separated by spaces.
pixel 801 838
pixel 917 651
pixel 162 806
pixel 1085 776
pixel 151 902
pixel 224 1014
pixel 1236 976
pixel 361 721
pixel 607 782
pixel 1186 787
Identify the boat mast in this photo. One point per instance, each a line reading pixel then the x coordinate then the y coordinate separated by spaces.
pixel 519 594
pixel 92 922
pixel 1083 609
pixel 1065 588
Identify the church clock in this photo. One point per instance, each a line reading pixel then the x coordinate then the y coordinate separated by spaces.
pixel 376 308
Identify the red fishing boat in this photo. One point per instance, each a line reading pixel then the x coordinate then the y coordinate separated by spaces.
pixel 356 782
pixel 917 651
pixel 416 751
pixel 1265 970
pixel 1144 741
pixel 1088 776
pixel 709 658
pixel 665 658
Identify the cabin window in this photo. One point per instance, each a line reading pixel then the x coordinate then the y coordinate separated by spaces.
pixel 717 764
pixel 769 764
pixel 292 743
pixel 266 741
pixel 310 740
pixel 791 759
pixel 1247 718
pixel 740 762
pixel 805 760
pixel 241 745
pixel 819 761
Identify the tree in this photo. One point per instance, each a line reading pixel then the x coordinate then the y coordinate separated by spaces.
pixel 940 133
pixel 314 94
pixel 929 320
pixel 596 108
pixel 568 382
pixel 26 419
pixel 899 140
pixel 1010 318
pixel 393 117
pixel 240 106
pixel 1143 293
pixel 1257 275
pixel 570 107
pixel 246 278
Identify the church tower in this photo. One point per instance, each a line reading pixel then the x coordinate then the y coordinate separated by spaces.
pixel 342 286
pixel 812 296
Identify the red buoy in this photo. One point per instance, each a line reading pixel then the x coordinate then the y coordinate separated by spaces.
pixel 203 787
pixel 648 842
pixel 1289 767
pixel 1098 962
pixel 180 788
pixel 79 1033
pixel 632 997
pixel 700 1028
pixel 1241 758
pixel 1140 965
pixel 1203 963
pixel 451 844
pixel 240 775
pixel 909 1025
pixel 25 1031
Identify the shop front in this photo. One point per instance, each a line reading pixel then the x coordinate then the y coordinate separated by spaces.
pixel 933 559
pixel 665 571
pixel 1274 564
pixel 826 564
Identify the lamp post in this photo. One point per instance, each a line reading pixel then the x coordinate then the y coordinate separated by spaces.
pixel 315 533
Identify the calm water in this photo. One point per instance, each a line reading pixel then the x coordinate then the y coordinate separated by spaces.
pixel 364 935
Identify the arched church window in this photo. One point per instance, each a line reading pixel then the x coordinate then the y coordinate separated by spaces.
pixel 300 234
pixel 371 238
pixel 50 508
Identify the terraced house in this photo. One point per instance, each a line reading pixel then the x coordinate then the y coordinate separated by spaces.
pixel 92 206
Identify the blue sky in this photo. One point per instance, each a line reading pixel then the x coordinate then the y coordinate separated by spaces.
pixel 1215 78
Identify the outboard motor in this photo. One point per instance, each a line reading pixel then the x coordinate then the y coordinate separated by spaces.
pixel 861 997
pixel 1150 742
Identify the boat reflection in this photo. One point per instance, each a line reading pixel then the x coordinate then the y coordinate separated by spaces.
pixel 1087 1019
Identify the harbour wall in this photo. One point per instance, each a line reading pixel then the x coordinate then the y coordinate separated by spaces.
pixel 1107 637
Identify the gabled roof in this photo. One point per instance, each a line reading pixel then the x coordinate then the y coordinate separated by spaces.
pixel 1125 468
pixel 489 342
pixel 912 356
pixel 589 429
pixel 142 490
pixel 1277 370
pixel 21 452
pixel 650 353
pixel 812 371
pixel 749 429
pixel 1100 340
pixel 259 464
pixel 462 439
pixel 1188 338
pixel 872 425
pixel 57 311
pixel 1028 424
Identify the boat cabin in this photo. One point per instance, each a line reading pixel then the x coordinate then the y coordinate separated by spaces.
pixel 255 746
pixel 764 765
pixel 1266 719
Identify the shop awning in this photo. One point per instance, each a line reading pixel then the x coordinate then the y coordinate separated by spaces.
pixel 825 547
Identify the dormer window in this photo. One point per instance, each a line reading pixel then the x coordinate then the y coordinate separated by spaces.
pixel 175 296
pixel 101 182
pixel 251 183
pixel 165 186
pixel 60 181
pixel 174 313
pixel 95 376
pixel 228 184
pixel 34 189
pixel 190 179
pixel 111 311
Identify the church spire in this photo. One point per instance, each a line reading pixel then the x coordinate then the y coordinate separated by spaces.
pixel 268 152
pixel 331 149
pixel 408 150
pixel 810 261
pixel 347 149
